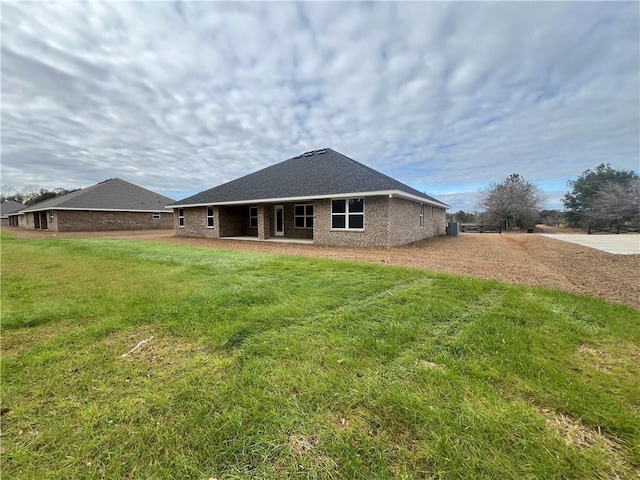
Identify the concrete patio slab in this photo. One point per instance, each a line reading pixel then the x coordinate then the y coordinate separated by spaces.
pixel 627 244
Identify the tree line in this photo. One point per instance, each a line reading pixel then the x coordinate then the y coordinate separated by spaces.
pixel 30 194
pixel 602 196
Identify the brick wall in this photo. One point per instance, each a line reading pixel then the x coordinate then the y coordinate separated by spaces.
pixel 79 221
pixel 30 221
pixel 404 222
pixel 233 221
pixel 290 229
pixel 375 233
pixel 195 223
pixel 387 223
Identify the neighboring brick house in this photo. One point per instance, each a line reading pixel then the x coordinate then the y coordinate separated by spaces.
pixel 9 212
pixel 320 195
pixel 110 205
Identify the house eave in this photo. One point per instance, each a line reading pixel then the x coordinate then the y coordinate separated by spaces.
pixel 390 193
pixel 159 209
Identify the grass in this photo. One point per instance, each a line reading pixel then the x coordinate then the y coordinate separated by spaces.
pixel 267 366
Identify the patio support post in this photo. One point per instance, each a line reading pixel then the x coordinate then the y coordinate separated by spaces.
pixel 264 224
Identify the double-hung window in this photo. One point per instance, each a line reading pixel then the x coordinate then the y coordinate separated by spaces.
pixel 303 216
pixel 347 214
pixel 253 217
pixel 181 217
pixel 156 215
pixel 209 217
pixel 421 215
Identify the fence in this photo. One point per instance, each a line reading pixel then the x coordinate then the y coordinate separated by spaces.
pixel 613 229
pixel 472 228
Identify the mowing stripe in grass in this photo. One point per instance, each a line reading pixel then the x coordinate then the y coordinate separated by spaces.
pixel 267 366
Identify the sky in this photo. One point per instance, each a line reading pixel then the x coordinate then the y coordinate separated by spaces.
pixel 447 97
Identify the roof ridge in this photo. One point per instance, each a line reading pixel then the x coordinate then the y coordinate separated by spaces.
pixel 323 171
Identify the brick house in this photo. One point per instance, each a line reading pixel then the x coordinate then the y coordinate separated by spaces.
pixel 110 205
pixel 9 212
pixel 321 196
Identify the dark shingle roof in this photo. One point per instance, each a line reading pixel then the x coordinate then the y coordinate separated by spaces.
pixel 112 194
pixel 10 206
pixel 318 173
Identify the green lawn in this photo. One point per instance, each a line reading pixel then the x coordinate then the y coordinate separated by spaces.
pixel 268 366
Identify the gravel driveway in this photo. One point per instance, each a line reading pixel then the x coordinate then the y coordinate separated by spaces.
pixel 529 259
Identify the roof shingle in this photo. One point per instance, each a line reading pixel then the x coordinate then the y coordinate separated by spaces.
pixel 112 194
pixel 319 173
pixel 10 206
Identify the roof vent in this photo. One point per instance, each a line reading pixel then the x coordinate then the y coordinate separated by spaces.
pixel 309 153
pixel 321 151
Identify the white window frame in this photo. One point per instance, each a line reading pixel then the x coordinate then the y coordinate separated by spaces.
pixel 52 218
pixel 156 216
pixel 304 215
pixel 252 217
pixel 347 214
pixel 210 217
pixel 422 215
pixel 181 218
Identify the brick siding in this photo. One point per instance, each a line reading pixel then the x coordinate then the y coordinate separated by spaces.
pixel 404 222
pixel 388 222
pixel 375 233
pixel 87 221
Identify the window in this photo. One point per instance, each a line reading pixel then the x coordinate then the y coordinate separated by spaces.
pixel 156 215
pixel 347 214
pixel 253 217
pixel 421 215
pixel 52 217
pixel 181 217
pixel 209 217
pixel 303 216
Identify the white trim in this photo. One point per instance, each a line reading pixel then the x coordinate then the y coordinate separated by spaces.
pixel 304 215
pixel 181 217
pixel 89 210
pixel 347 214
pixel 396 193
pixel 251 217
pixel 212 217
pixel 275 220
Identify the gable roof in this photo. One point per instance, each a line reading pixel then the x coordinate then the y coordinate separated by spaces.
pixel 10 206
pixel 316 174
pixel 114 194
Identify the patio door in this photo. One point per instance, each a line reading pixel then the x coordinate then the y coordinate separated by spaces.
pixel 279 216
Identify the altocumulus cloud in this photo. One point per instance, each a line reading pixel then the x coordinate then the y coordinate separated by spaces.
pixel 446 97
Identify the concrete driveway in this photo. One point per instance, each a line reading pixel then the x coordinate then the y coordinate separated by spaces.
pixel 625 244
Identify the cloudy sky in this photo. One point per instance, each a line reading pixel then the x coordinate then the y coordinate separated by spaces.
pixel 446 97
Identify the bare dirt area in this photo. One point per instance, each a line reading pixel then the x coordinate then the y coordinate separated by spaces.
pixel 522 258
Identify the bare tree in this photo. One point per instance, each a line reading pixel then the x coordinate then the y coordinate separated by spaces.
pixel 552 218
pixel 30 194
pixel 514 202
pixel 615 203
pixel 6 192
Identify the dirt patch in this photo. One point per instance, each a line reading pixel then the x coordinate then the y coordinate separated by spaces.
pixel 431 365
pixel 301 445
pixel 528 259
pixel 607 362
pixel 152 350
pixel 574 433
